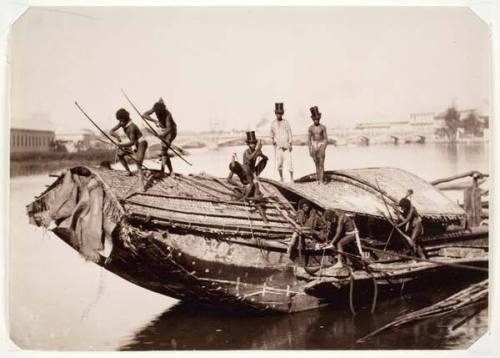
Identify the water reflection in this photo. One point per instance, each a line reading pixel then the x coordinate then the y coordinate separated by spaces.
pixel 184 327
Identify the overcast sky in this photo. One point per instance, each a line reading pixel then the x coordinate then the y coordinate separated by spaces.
pixel 229 65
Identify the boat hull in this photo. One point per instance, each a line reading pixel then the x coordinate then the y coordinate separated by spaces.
pixel 232 277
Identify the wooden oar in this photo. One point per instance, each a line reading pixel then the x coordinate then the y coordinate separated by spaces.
pixel 153 130
pixel 107 136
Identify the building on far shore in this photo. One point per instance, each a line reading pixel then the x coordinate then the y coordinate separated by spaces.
pixel 31 140
pixel 375 129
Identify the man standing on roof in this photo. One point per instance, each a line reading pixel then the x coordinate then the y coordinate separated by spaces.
pixel 168 131
pixel 281 136
pixel 253 157
pixel 136 140
pixel 317 140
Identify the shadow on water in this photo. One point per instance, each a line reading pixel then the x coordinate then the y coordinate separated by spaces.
pixel 184 327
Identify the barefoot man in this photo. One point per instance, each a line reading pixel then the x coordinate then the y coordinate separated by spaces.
pixel 168 131
pixel 281 136
pixel 317 141
pixel 136 141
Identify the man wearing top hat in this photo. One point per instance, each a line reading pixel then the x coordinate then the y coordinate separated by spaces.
pixel 317 141
pixel 281 135
pixel 253 157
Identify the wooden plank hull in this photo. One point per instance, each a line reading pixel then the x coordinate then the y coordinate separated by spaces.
pixel 232 277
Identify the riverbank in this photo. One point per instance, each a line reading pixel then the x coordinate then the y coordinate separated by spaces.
pixel 47 162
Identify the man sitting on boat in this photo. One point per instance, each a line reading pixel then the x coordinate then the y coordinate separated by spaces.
pixel 248 185
pixel 254 153
pixel 346 233
pixel 136 140
pixel 307 217
pixel 412 225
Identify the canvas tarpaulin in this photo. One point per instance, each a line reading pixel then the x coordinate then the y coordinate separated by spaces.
pixel 77 204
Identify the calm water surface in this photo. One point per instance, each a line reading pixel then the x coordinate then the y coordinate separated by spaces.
pixel 57 301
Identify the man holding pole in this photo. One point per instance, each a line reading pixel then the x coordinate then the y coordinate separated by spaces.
pixel 168 131
pixel 281 136
pixel 136 140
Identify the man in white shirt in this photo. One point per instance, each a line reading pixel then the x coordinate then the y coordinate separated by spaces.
pixel 281 135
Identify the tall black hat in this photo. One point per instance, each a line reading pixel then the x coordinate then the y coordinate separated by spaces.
pixel 278 108
pixel 315 113
pixel 251 137
pixel 122 114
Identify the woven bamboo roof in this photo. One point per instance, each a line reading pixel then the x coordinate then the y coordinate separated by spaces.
pixel 360 190
pixel 210 202
pixel 195 199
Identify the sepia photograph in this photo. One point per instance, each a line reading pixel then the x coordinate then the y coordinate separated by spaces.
pixel 248 178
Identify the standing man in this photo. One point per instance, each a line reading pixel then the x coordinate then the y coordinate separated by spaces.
pixel 136 140
pixel 281 135
pixel 317 141
pixel 168 131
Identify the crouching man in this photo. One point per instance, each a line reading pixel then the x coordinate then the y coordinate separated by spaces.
pixel 248 185
pixel 346 233
pixel 137 143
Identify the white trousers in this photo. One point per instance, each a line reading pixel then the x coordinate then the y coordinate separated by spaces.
pixel 284 158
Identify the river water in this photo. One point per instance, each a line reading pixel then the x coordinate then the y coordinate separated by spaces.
pixel 57 301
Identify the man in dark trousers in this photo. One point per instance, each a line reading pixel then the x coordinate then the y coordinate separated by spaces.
pixel 136 141
pixel 168 131
pixel 253 156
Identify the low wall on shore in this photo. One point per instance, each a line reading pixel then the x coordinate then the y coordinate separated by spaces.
pixel 45 162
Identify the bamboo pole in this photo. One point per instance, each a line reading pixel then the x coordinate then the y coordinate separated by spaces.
pixel 470 296
pixel 107 136
pixel 390 253
pixel 155 133
pixel 459 176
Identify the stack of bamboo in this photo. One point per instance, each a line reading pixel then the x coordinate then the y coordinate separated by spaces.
pixel 472 295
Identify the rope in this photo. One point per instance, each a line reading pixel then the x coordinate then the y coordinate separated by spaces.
pixel 351 292
pixel 100 290
pixel 388 239
pixel 257 240
pixel 321 264
pixel 375 294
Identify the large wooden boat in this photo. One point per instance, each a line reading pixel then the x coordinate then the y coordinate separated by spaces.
pixel 188 237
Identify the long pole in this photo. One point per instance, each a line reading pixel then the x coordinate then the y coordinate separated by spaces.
pixel 105 134
pixel 169 146
pixel 459 176
pixel 469 267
